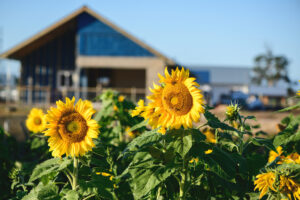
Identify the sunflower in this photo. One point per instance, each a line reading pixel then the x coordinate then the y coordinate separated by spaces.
pixel 131 134
pixel 176 102
pixel 264 182
pixel 289 187
pixel 162 130
pixel 210 136
pixel 232 111
pixel 106 175
pixel 208 151
pixel 116 108
pixel 280 127
pixel 71 128
pixel 121 98
pixel 36 121
pixel 293 158
pixel 140 108
pixel 298 93
pixel 273 155
pixel 194 160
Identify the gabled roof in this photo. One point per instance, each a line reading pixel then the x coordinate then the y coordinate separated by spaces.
pixel 13 52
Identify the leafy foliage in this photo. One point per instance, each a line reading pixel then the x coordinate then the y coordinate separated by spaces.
pixel 130 161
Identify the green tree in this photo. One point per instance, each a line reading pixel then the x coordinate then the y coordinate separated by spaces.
pixel 270 68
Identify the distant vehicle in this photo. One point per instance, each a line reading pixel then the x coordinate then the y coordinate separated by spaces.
pixel 235 97
pixel 245 101
pixel 240 98
pixel 255 105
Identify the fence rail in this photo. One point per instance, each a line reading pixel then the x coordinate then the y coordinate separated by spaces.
pixel 44 95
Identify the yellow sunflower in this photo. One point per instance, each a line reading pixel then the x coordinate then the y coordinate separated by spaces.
pixel 298 93
pixel 131 134
pixel 293 158
pixel 280 127
pixel 176 102
pixel 194 160
pixel 140 108
pixel 162 130
pixel 105 174
pixel 208 151
pixel 121 98
pixel 116 108
pixel 289 187
pixel 232 111
pixel 273 155
pixel 36 121
pixel 264 182
pixel 210 136
pixel 71 128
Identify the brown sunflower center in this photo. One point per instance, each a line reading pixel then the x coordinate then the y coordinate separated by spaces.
pixel 72 127
pixel 37 121
pixel 177 98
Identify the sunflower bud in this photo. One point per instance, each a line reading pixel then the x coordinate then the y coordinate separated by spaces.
pixel 232 112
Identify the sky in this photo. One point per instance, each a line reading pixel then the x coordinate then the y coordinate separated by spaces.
pixel 204 33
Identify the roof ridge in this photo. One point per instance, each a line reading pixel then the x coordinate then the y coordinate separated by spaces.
pixel 71 16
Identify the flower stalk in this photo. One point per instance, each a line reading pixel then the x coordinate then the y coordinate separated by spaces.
pixel 75 173
pixel 181 186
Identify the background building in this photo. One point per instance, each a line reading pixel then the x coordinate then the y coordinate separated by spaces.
pixel 222 85
pixel 219 82
pixel 81 54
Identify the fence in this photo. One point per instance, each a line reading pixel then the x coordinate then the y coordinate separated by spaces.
pixel 45 96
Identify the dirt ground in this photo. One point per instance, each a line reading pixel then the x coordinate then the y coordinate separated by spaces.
pixel 13 118
pixel 266 119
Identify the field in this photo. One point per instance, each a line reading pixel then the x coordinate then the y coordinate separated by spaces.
pixel 124 150
pixel 269 119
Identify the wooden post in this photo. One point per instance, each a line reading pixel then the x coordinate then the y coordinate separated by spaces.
pixel 8 78
pixel 98 89
pixel 48 95
pixel 29 91
pixel 133 94
pixel 76 80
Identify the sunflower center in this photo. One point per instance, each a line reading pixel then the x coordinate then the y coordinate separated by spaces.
pixel 37 121
pixel 174 100
pixel 72 127
pixel 177 98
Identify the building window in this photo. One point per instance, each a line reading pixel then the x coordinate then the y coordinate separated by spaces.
pixel 65 79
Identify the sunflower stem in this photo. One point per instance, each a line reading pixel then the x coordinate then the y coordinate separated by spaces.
pixel 69 177
pixel 181 186
pixel 120 136
pixel 183 180
pixel 120 132
pixel 75 173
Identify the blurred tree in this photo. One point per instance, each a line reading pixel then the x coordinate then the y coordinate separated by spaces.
pixel 270 68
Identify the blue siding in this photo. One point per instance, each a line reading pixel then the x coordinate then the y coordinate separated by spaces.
pixel 203 77
pixel 98 39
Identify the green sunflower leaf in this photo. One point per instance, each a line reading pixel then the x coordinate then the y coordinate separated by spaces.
pixel 49 166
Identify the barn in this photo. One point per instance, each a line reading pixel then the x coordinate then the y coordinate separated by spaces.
pixel 82 54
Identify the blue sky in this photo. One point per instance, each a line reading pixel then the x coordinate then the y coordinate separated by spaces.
pixel 216 33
